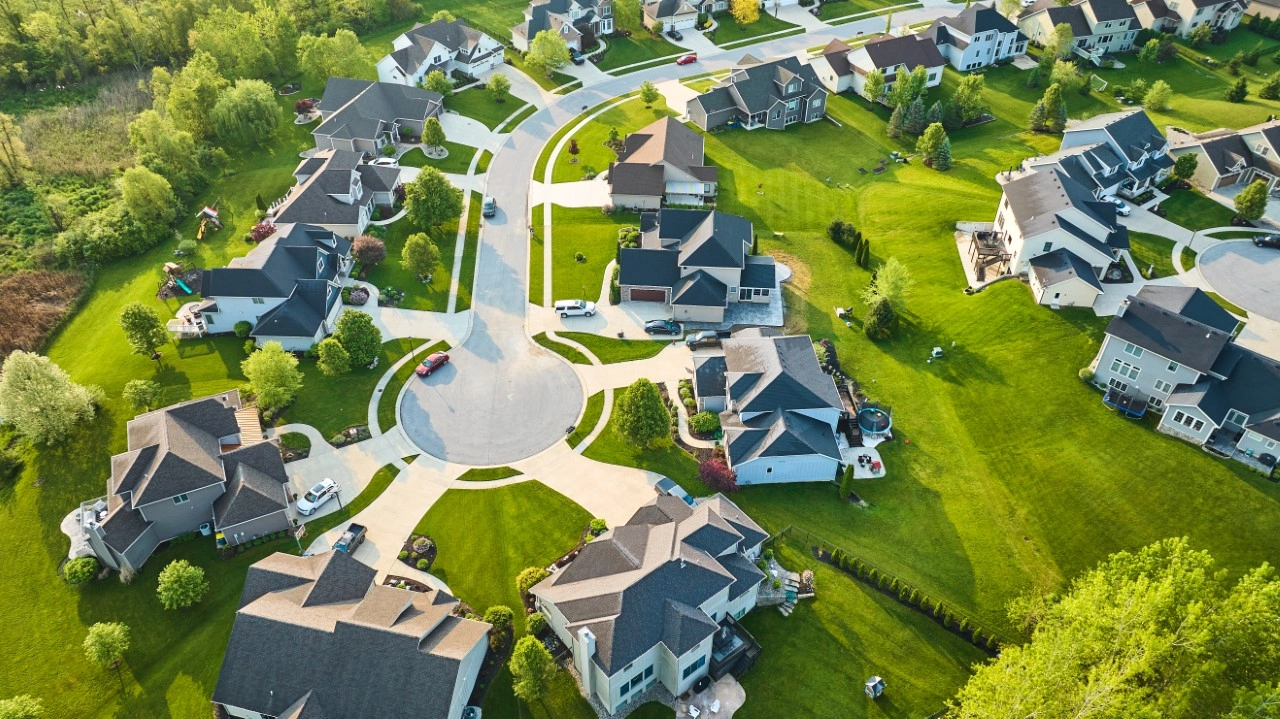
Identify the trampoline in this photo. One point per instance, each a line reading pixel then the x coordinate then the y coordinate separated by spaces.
pixel 873 421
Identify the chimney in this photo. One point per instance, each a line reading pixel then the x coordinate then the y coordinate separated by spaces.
pixel 582 657
pixel 1124 305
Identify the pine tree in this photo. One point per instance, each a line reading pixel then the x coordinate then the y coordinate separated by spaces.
pixel 1038 116
pixel 1271 90
pixel 846 483
pixel 894 128
pixel 1238 91
pixel 942 158
pixel 935 114
pixel 913 121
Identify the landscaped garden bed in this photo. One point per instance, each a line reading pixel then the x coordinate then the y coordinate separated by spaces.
pixel 350 435
pixel 356 295
pixel 294 446
pixel 419 551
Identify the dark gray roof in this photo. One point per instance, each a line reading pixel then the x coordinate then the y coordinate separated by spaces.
pixel 1184 338
pixel 1074 14
pixel 636 179
pixel 461 41
pixel 664 509
pixel 123 526
pixel 756 87
pixel 1191 303
pixel 709 374
pixel 781 433
pixel 175 450
pixel 759 272
pixel 360 109
pixel 1131 130
pixel 888 51
pixel 274 267
pixel 302 314
pixel 255 485
pixel 325 196
pixel 539 13
pixel 669 141
pixel 663 9
pixel 700 289
pixel 746 576
pixel 1252 387
pixel 767 373
pixel 836 53
pixel 704 238
pixel 976 19
pixel 652 268
pixel 1038 200
pixel 1062 265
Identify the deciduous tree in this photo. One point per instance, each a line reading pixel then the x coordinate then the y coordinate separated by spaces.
pixel 444 15
pixel 499 87
pixel 893 282
pixel 547 53
pixel 437 81
pixel 642 417
pixel 359 336
pixel 247 114
pixel 332 358
pixel 23 706
pixel 181 585
pixel 431 200
pixel 369 250
pixel 1150 51
pixel 337 55
pixel 1184 166
pixel 232 38
pixel 420 255
pixel 143 329
pixel 14 162
pixel 1067 74
pixel 718 475
pixel 141 393
pixel 1200 35
pixel 433 133
pixel 648 93
pixel 532 669
pixel 930 141
pixel 39 399
pixel 1061 41
pixel 873 86
pixel 1157 96
pixel 968 97
pixel 744 12
pixel 1251 202
pixel 147 196
pixel 106 644
pixel 273 376
pixel 167 151
pixel 191 94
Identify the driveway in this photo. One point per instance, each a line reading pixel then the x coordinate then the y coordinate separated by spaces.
pixel 1245 274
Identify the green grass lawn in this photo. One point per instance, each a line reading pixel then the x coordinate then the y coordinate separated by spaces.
pixel 729 31
pixel 640 47
pixel 540 167
pixel 482 165
pixel 610 350
pixel 377 485
pixel 331 404
pixel 486 474
pixel 387 401
pixel 662 456
pixel 458 161
pixel 477 104
pixel 1188 256
pixel 467 273
pixel 1152 251
pixel 1233 235
pixel 432 296
pixel 843 8
pixel 585 231
pixel 592 153
pixel 590 417
pixel 495 17
pixel 546 82
pixel 295 440
pixel 515 121
pixel 536 259
pixel 561 349
pixel 1194 211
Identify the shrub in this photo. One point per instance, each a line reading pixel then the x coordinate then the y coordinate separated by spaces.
pixel 262 231
pixel 705 422
pixel 598 525
pixel 882 321
pixel 243 328
pixel 500 616
pixel 535 623
pixel 873 575
pixel 716 474
pixel 250 346
pixel 579 257
pixel 903 594
pixel 915 597
pixel 528 577
pixel 186 248
pixel 404 554
pixel 767 553
pixel 964 625
pixel 777 584
pixel 80 570
pixel 182 584
pixel 423 564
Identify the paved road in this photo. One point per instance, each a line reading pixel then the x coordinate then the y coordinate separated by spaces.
pixel 1245 274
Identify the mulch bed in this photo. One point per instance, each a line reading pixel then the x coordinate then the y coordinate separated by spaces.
pixel 701 454
pixel 413 556
pixel 494 661
pixel 350 435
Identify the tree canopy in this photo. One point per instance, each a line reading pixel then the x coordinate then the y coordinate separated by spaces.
pixel 431 200
pixel 532 668
pixel 547 53
pixel 437 81
pixel 23 706
pixel 499 86
pixel 892 282
pixel 332 358
pixel 273 376
pixel 106 644
pixel 147 196
pixel 141 394
pixel 744 12
pixel 247 114
pixel 337 55
pixel 433 133
pixel 39 399
pixel 1251 202
pixel 189 95
pixel 1061 41
pixel 143 329
pixel 359 337
pixel 420 255
pixel 642 417
pixel 181 585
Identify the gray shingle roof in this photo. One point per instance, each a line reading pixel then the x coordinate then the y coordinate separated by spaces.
pixel 273 268
pixel 667 141
pixel 709 374
pixel 699 289
pixel 756 86
pixel 636 179
pixel 461 41
pixel 746 576
pixel 302 313
pixel 1062 265
pixel 255 485
pixel 888 51
pixel 766 373
pixel 123 526
pixel 759 272
pixel 181 454
pixel 360 109
pixel 781 433
pixel 1155 322
pixel 1037 200
pixel 653 268
pixel 1252 387
pixel 1132 131
pixel 976 19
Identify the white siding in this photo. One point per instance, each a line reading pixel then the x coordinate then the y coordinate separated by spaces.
pixel 1073 292
pixel 774 470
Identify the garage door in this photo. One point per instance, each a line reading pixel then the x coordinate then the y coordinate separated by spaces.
pixel 648 295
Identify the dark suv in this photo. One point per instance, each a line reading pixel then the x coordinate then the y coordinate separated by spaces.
pixel 1272 241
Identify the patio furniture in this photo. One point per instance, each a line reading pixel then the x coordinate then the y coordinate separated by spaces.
pixel 694 712
pixel 715 706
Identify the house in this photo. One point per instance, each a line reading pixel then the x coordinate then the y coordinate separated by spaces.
pixel 663 161
pixel 841 68
pixel 1172 350
pixel 762 94
pixel 1100 27
pixel 1116 153
pixel 316 637
pixel 335 191
pixel 289 288
pixel 365 117
pixel 656 600
pixel 193 466
pixel 449 46
pixel 697 261
pixel 1269 9
pixel 1233 158
pixel 673 14
pixel 578 22
pixel 979 36
pixel 778 409
pixel 1180 17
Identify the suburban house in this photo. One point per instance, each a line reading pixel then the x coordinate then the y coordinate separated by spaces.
pixel 663 161
pixel 316 637
pixel 1233 157
pixel 1116 153
pixel 289 288
pixel 337 192
pixel 365 117
pixel 778 409
pixel 841 68
pixel 673 14
pixel 577 22
pixel 445 45
pixel 697 261
pixel 1180 17
pixel 656 600
pixel 1172 350
pixel 1269 9
pixel 762 94
pixel 979 36
pixel 201 465
pixel 1100 27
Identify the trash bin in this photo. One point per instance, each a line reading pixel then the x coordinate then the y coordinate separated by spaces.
pixel 205 529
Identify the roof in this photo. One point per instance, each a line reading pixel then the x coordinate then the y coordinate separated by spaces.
pixel 1252 387
pixel 699 289
pixel 550 14
pixel 1038 200
pixel 780 433
pixel 675 240
pixel 255 485
pixel 1063 265
pixel 974 20
pixel 302 313
pixel 642 583
pixel 836 54
pixel 1075 16
pixel 755 86
pixel 327 194
pixel 460 40
pixel 709 373
pixel 314 637
pixel 647 267
pixel 888 51
pixel 771 372
pixel 760 271
pixel 1131 130
pixel 359 109
pixel 637 179
pixel 1175 323
pixel 666 141
pixel 295 252
pixel 175 450
pixel 659 9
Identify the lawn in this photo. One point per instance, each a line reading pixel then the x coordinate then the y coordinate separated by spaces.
pixel 561 349
pixel 513 122
pixel 494 17
pixel 387 416
pixel 482 165
pixel 295 441
pixel 1227 305
pixel 467 273
pixel 1152 251
pixel 487 474
pixel 1188 258
pixel 588 232
pixel 610 350
pixel 593 155
pixel 536 259
pixel 332 404
pixel 458 161
pixel 377 485
pixel 832 11
pixel 729 32
pixel 590 417
pixel 477 104
pixel 662 456
pixel 1194 211
pixel 640 47
pixel 551 82
pixel 432 296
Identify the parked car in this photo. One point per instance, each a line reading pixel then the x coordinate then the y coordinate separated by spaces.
pixel 1121 208
pixel 687 59
pixel 705 338
pixel 1272 241
pixel 324 490
pixel 662 327
pixel 573 308
pixel 433 362
pixel 1028 3
pixel 350 539
pixel 675 35
pixel 385 162
pixel 576 57
pixel 668 486
pixel 489 207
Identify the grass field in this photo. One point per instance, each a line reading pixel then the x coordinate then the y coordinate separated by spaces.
pixel 640 47
pixel 387 416
pixel 592 153
pixel 331 404
pixel 610 350
pixel 833 11
pixel 662 456
pixel 729 32
pixel 477 104
pixel 458 161
pixel 487 474
pixel 1152 251
pixel 546 82
pixel 585 231
pixel 1194 211
pixel 432 296
pixel 1188 256
pixel 590 417
pixel 561 349
pixel 536 258
pixel 467 273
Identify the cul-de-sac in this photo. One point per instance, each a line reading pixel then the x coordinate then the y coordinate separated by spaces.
pixel 665 359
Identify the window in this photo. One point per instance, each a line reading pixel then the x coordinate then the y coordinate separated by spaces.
pixel 1174 366
pixel 1156 403
pixel 792 104
pixel 689 670
pixel 208 319
pixel 259 301
pixel 1048 247
pixel 648 671
pixel 624 689
pixel 1132 349
pixel 1124 369
pixel 1162 386
pixel 1118 385
pixel 181 499
pixel 1188 421
pixel 768 470
pixel 815 102
pixel 1237 417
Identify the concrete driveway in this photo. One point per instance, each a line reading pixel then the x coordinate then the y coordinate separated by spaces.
pixel 1245 274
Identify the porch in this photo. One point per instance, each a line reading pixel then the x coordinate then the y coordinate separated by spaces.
pixel 190 321
pixel 983 252
pixel 1223 442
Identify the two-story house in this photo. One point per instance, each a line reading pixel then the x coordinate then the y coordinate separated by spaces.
pixel 1100 27
pixel 578 22
pixel 1233 158
pixel 762 94
pixel 365 117
pixel 842 68
pixel 673 14
pixel 315 636
pixel 979 36
pixel 449 46
pixel 663 161
pixel 337 192
pixel 1116 153
pixel 198 463
pixel 1180 17
pixel 656 600
pixel 1172 350
pixel 698 262
pixel 778 409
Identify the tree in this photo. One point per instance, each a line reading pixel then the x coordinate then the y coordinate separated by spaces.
pixel 930 141
pixel 419 255
pixel 1067 74
pixel 13 153
pixel 141 393
pixel 79 571
pixel 273 376
pixel 332 358
pixel 192 94
pixel 181 585
pixel 642 417
pixel 873 86
pixel 143 329
pixel 147 196
pixel 1184 166
pixel 1061 41
pixel 894 129
pixel 1270 89
pixel 247 114
pixel 1239 89
pixel 437 81
pixel 1150 51
pixel 433 133
pixel 431 200
pixel 444 15
pixel 1039 120
pixel 1251 202
pixel 1009 8
pixel 359 336
pixel 1158 96
pixel 232 38
pixel 881 322
pixel 913 119
pixel 846 482
pixel 339 55
pixel 499 87
pixel 626 16
pixel 532 669
pixel 369 250
pixel 547 53
pixel 106 644
pixel 718 475
pixel 1160 632
pixel 744 12
pixel 1055 108
pixel 500 616
pixel 1200 35
pixel 168 151
pixel 968 97
pixel 23 706
pixel 648 93
pixel 942 158
pixel 528 577
pixel 893 282
pixel 39 399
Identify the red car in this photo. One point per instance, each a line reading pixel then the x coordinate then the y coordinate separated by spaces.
pixel 687 59
pixel 433 362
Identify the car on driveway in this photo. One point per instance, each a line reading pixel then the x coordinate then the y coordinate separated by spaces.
pixel 705 338
pixel 385 162
pixel 573 308
pixel 576 57
pixel 1272 241
pixel 675 35
pixel 668 486
pixel 350 539
pixel 687 59
pixel 1121 208
pixel 323 491
pixel 489 207
pixel 433 362
pixel 662 327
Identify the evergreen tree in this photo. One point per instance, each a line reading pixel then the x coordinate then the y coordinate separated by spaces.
pixel 1271 89
pixel 1239 89
pixel 1038 116
pixel 894 128
pixel 913 121
pixel 942 158
pixel 935 114
pixel 846 483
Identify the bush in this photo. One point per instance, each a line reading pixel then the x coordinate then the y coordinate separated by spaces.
pixel 243 328
pixel 404 554
pixel 598 525
pixel 186 248
pixel 579 257
pixel 250 346
pixel 535 623
pixel 1086 374
pixel 528 577
pixel 704 422
pixel 80 570
pixel 500 616
pixel 882 321
pixel 423 564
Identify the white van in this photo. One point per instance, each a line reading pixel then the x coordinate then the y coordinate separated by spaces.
pixel 567 308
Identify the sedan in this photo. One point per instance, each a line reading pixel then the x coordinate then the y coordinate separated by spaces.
pixel 662 327
pixel 385 162
pixel 433 362
pixel 687 59
pixel 315 497
pixel 1121 208
pixel 675 35
pixel 576 57
pixel 1272 241
pixel 489 207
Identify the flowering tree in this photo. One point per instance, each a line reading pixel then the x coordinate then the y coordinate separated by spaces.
pixel 716 474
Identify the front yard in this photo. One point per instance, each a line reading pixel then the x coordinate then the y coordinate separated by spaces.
pixel 1152 251
pixel 457 162
pixel 1194 211
pixel 729 32
pixel 593 154
pixel 431 296
pixel 331 404
pixel 587 232
pixel 640 47
pixel 662 456
pixel 478 104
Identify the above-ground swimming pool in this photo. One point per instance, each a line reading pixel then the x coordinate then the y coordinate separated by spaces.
pixel 873 420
